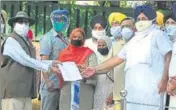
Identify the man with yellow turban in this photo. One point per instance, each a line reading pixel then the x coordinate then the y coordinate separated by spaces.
pixel 115 19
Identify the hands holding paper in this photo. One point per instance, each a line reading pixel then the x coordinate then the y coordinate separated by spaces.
pixel 54 68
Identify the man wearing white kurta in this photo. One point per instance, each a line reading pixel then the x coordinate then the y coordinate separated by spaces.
pixel 147 57
pixel 170 24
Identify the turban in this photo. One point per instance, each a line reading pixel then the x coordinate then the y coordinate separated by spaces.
pixel 148 11
pixel 160 18
pixel 4 15
pixel 116 17
pixel 98 20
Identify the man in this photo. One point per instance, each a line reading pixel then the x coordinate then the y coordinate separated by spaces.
pixel 98 28
pixel 147 57
pixel 17 78
pixel 115 19
pixel 50 46
pixel 128 29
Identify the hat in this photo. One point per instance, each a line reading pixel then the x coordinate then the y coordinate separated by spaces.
pixel 116 16
pixel 148 11
pixel 21 15
pixel 4 15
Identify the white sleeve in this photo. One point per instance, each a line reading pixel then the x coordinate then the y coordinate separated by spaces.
pixel 122 53
pixel 14 50
pixel 163 43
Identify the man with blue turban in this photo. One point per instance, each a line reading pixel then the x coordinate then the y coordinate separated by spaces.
pixel 147 56
pixel 51 45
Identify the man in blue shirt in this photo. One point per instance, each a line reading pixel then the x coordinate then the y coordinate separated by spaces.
pixel 50 46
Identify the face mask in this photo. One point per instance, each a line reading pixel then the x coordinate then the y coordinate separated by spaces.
pixel 127 33
pixel 21 29
pixel 116 31
pixel 59 26
pixel 103 51
pixel 143 25
pixel 171 31
pixel 76 43
pixel 2 28
pixel 98 34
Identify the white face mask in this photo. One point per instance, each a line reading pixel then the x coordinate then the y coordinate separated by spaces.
pixel 143 25
pixel 98 34
pixel 21 29
pixel 2 28
pixel 127 33
pixel 116 31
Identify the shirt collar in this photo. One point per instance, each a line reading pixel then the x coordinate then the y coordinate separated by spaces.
pixel 53 32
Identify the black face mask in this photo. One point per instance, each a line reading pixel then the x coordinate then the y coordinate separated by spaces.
pixel 103 51
pixel 76 43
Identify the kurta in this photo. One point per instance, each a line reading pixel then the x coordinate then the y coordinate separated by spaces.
pixel 144 55
pixel 86 90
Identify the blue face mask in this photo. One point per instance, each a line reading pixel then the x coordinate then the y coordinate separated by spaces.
pixel 59 26
pixel 171 30
pixel 116 31
pixel 127 33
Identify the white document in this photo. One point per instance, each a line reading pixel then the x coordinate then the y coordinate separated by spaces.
pixel 70 71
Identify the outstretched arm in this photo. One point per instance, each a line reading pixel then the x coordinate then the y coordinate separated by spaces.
pixel 108 65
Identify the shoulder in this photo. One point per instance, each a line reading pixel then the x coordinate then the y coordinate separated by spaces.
pixel 47 36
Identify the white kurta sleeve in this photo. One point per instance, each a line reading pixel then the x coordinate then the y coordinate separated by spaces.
pixel 122 53
pixel 163 42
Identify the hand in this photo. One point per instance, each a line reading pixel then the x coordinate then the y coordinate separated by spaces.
pixel 81 67
pixel 109 99
pixel 55 63
pixel 162 85
pixel 88 72
pixel 55 70
pixel 171 87
pixel 49 86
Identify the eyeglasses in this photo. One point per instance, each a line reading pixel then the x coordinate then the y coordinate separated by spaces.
pixel 21 21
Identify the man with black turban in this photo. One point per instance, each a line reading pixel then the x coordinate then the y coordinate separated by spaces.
pixel 98 25
pixel 147 57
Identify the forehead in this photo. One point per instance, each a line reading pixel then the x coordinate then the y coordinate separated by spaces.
pixel 97 25
pixel 101 42
pixel 170 20
pixel 127 22
pixel 78 34
pixel 142 15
